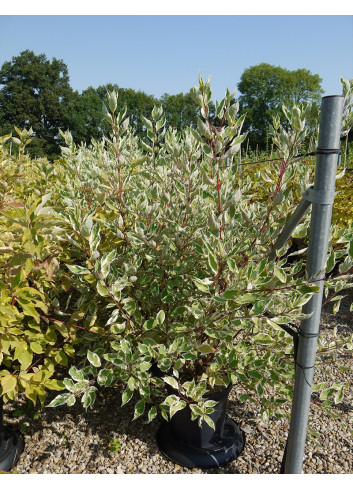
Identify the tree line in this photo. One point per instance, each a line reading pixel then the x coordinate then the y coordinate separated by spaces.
pixel 36 92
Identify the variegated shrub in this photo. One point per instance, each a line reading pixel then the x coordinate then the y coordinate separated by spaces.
pixel 165 265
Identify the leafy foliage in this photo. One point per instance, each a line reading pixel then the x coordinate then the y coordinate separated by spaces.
pixel 31 343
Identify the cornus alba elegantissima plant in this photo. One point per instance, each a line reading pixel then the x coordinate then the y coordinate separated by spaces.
pixel 169 262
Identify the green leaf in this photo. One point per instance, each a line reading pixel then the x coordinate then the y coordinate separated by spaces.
pixel 28 309
pixel 54 384
pixel 70 386
pixel 125 346
pixel 230 294
pixel 25 359
pixel 112 100
pixel 172 399
pixel 94 238
pixel 254 374
pixel 206 349
pixel 306 289
pixel 331 262
pixel 36 347
pixel 244 397
pixel 18 278
pixel 263 339
pixel 260 307
pixel 274 376
pixel 87 226
pixel 259 390
pixel 8 383
pixel 71 400
pixel 61 358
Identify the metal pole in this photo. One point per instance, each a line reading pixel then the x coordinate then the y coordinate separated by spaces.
pixel 322 201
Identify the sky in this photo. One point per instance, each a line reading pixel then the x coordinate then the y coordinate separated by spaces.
pixel 165 53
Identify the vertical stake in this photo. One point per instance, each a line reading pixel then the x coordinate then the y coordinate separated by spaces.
pixel 322 203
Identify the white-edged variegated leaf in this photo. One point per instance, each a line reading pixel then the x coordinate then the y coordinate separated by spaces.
pixel 339 395
pixel 202 284
pixel 76 374
pixel 71 400
pixel 171 381
pixel 78 270
pixel 144 366
pixel 279 273
pixel 105 377
pixel 139 408
pixel 125 346
pixel 87 226
pixel 70 386
pixel 105 263
pixel 101 289
pixel 93 358
pixel 160 317
pixel 59 400
pixel 209 421
pixel 169 400
pixel 152 413
pixel 94 237
pixel 89 396
pixel 127 395
pixel 178 406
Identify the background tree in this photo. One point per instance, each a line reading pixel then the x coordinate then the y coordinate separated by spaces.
pixel 264 88
pixel 36 93
pixel 87 119
pixel 181 110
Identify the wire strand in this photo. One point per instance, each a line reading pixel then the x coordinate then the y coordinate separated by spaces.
pixel 313 153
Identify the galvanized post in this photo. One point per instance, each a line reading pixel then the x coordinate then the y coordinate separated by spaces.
pixel 321 196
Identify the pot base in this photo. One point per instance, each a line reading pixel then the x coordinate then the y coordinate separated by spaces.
pixel 11 447
pixel 227 449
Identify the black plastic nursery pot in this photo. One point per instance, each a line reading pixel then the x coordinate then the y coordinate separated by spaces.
pixel 11 444
pixel 185 443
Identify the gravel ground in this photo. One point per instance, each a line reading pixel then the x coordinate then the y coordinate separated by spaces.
pixel 104 440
